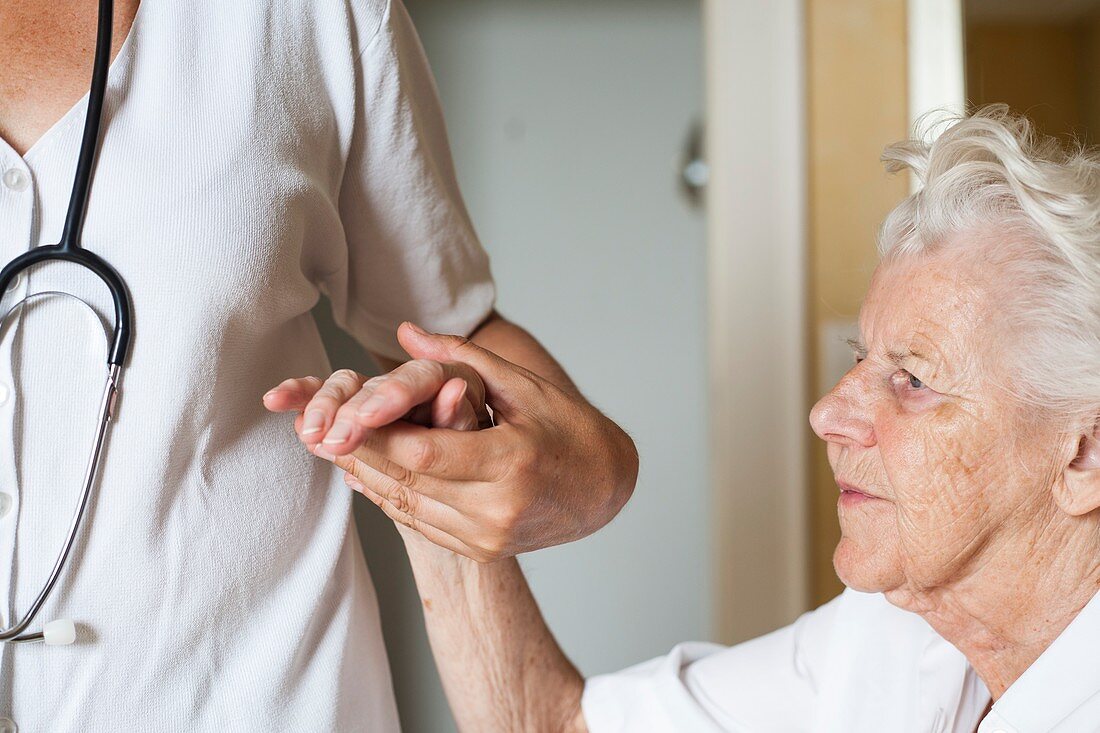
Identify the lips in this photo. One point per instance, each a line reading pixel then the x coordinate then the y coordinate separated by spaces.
pixel 846 487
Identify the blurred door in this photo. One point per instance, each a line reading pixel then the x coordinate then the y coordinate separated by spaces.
pixel 1041 59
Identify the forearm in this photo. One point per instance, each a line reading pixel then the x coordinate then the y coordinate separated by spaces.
pixel 501 667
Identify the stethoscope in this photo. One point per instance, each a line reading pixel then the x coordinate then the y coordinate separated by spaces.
pixel 69 249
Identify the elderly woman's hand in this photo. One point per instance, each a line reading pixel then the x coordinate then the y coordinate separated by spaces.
pixel 339 411
pixel 552 470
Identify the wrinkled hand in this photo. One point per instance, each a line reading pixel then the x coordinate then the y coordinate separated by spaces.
pixel 339 411
pixel 552 470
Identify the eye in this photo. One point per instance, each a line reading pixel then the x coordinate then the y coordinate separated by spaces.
pixel 908 383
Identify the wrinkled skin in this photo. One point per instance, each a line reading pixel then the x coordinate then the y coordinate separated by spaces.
pixel 945 457
pixel 966 528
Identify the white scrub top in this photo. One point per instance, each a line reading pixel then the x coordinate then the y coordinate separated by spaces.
pixel 855 665
pixel 256 155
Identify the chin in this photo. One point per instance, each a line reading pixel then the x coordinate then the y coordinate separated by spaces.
pixel 868 569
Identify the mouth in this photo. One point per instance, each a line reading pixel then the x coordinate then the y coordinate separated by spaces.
pixel 852 495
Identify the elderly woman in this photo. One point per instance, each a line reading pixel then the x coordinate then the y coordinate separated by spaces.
pixel 964 445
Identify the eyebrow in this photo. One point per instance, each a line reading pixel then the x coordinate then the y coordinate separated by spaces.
pixel 896 357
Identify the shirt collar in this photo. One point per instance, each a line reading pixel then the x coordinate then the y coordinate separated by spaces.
pixel 1059 681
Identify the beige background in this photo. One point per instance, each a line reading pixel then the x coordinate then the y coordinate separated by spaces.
pixel 857 105
pixel 1044 68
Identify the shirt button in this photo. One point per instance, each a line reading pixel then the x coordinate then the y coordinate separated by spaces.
pixel 16 180
pixel 7 725
pixel 5 507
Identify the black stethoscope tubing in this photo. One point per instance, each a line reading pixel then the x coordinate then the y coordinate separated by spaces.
pixel 70 248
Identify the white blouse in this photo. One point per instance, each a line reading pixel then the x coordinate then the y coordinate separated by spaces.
pixel 255 155
pixel 855 665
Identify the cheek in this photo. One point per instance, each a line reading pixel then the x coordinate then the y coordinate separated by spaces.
pixel 941 465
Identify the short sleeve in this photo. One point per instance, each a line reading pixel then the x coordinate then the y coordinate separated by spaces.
pixel 768 684
pixel 412 253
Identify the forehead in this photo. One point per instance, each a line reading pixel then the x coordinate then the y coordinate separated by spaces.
pixel 936 304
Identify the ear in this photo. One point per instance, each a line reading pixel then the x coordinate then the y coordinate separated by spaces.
pixel 1079 492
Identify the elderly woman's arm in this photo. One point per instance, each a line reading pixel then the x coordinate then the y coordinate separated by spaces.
pixel 501 667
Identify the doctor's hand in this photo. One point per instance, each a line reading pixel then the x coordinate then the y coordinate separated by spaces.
pixel 552 470
pixel 449 410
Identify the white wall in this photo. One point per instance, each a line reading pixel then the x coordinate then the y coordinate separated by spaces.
pixel 567 119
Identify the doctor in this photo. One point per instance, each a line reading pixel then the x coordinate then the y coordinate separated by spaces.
pixel 255 155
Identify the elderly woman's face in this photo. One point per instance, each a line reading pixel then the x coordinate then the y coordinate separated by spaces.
pixel 943 467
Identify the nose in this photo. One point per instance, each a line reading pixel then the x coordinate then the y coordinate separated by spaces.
pixel 836 419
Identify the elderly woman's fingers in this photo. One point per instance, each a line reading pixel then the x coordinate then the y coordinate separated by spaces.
pixel 406 392
pixel 451 409
pixel 415 382
pixel 321 410
pixel 453 455
pixel 292 395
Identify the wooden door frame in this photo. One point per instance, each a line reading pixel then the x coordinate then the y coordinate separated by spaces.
pixel 757 337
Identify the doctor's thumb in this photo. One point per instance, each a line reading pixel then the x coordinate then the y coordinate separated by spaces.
pixel 504 381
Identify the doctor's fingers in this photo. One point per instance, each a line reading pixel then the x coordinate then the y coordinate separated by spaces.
pixel 470 511
pixel 464 511
pixel 433 534
pixel 404 499
pixel 439 523
pixel 398 480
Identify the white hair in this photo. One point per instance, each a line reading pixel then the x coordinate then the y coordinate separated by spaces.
pixel 1034 207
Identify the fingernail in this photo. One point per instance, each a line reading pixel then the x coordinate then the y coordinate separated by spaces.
pixel 372 405
pixel 340 432
pixel 314 422
pixel 322 453
pixel 273 391
pixel 417 329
